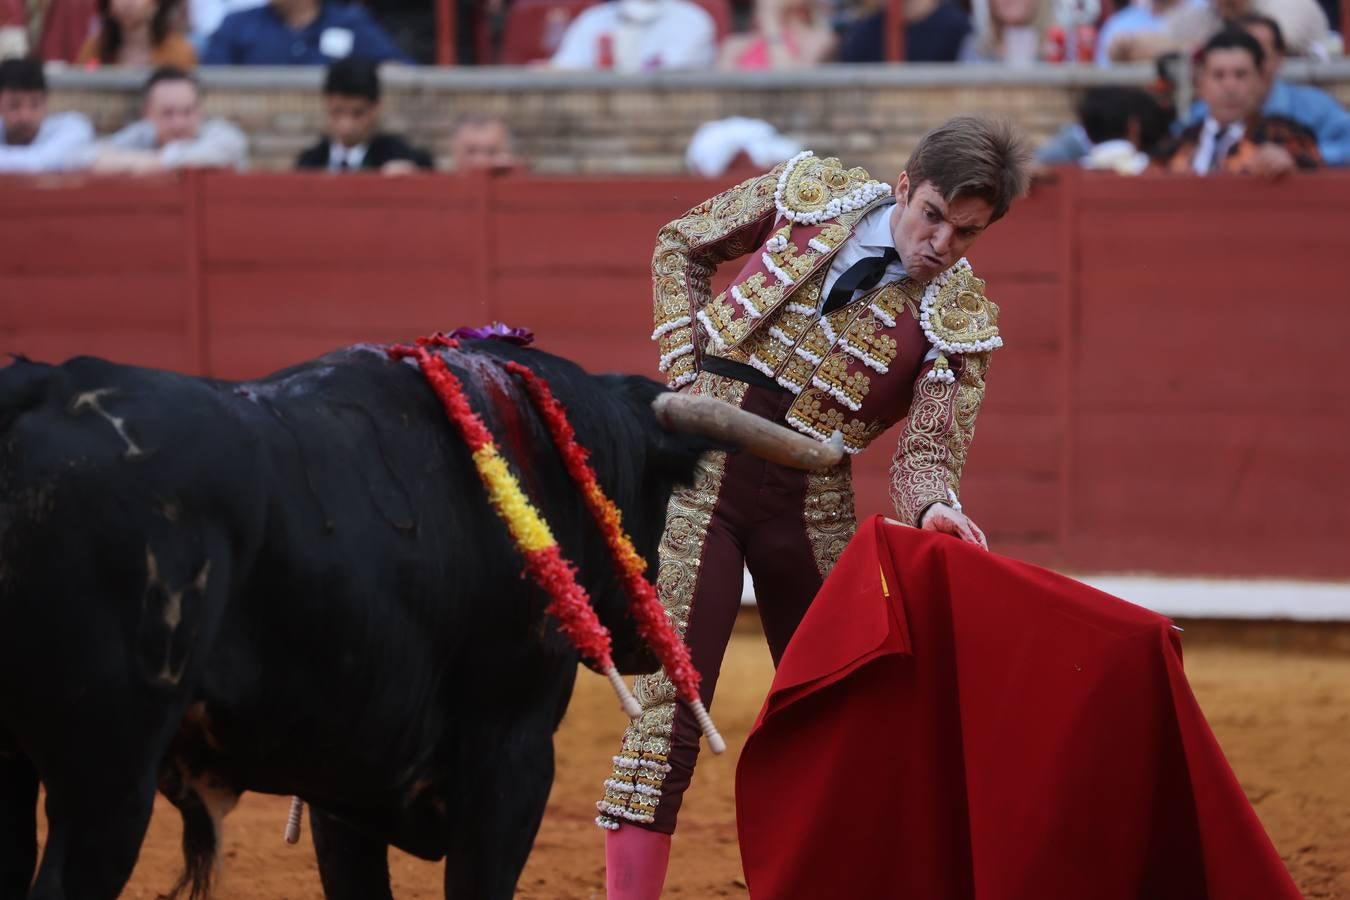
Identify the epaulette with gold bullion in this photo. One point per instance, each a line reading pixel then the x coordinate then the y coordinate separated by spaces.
pixel 957 317
pixel 812 190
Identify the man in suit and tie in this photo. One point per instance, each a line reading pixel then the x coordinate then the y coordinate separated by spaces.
pixel 855 309
pixel 354 143
pixel 1236 135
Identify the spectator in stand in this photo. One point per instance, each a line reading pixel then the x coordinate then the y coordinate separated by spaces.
pixel 31 140
pixel 50 30
pixel 639 36
pixel 14 43
pixel 482 142
pixel 786 34
pixel 205 16
pixel 137 33
pixel 171 133
pixel 1142 17
pixel 1015 35
pixel 300 32
pixel 1123 125
pixel 354 143
pixel 1303 103
pixel 1188 26
pixel 1106 116
pixel 935 31
pixel 1235 135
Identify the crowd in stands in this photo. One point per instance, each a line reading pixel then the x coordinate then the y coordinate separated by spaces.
pixel 172 133
pixel 1247 118
pixel 640 35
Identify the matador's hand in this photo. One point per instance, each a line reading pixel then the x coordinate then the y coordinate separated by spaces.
pixel 941 517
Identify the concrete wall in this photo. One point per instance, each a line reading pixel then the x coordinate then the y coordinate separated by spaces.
pixel 603 123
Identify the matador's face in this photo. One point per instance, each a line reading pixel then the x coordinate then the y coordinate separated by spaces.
pixel 932 233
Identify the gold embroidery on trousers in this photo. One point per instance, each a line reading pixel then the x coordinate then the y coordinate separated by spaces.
pixel 829 515
pixel 633 790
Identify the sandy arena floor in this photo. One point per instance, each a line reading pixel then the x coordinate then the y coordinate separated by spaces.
pixel 1281 714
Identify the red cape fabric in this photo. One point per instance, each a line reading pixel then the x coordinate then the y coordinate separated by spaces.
pixel 949 723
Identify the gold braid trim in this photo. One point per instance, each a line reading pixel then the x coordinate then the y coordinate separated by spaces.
pixel 829 514
pixel 928 462
pixel 633 790
pixel 687 253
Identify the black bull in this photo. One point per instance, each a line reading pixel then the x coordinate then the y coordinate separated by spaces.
pixel 295 586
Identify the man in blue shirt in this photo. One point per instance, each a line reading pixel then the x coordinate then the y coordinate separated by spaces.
pixel 1303 103
pixel 300 32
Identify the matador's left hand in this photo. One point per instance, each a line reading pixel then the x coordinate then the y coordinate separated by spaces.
pixel 941 517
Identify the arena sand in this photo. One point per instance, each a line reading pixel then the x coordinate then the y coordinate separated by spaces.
pixel 1280 707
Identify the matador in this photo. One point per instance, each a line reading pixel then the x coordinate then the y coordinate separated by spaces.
pixel 855 309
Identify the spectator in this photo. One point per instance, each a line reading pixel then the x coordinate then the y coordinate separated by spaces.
pixel 1014 36
pixel 1145 17
pixel 31 140
pixel 1235 136
pixel 935 31
pixel 171 133
pixel 14 43
pixel 300 32
pixel 351 102
pixel 639 36
pixel 1189 25
pixel 1107 115
pixel 1303 103
pixel 137 33
pixel 205 16
pixel 482 142
pixel 787 34
pixel 49 30
pixel 1123 125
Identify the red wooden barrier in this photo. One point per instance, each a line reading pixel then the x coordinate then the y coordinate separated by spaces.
pixel 1170 397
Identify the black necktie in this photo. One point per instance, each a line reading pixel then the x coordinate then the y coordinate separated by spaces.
pixel 863 275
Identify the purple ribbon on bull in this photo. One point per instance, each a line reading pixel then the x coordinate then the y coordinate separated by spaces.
pixel 497 331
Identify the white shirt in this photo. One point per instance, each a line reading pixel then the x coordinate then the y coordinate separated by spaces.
pixel 1119 156
pixel 870 237
pixel 681 35
pixel 354 156
pixel 217 144
pixel 62 142
pixel 1215 142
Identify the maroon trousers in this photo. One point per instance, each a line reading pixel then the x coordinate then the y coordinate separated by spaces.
pixel 788 527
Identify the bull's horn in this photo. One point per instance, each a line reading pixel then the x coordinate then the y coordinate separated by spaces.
pixel 721 421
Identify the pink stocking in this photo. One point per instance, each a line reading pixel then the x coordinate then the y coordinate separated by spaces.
pixel 635 863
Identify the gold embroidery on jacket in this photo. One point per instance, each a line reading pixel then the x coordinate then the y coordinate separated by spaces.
pixel 815 413
pixel 932 452
pixel 768 294
pixel 683 264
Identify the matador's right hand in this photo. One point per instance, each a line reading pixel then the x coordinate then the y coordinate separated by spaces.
pixel 941 517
